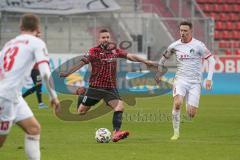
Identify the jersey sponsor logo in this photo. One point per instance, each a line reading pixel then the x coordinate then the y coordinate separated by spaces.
pixel 184 56
pixel 109 59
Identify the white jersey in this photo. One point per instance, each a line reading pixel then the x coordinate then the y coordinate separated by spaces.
pixel 16 62
pixel 189 58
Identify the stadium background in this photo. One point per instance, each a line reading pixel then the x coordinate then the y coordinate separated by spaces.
pixel 69 28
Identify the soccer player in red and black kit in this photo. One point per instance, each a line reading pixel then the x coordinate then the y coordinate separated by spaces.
pixel 102 83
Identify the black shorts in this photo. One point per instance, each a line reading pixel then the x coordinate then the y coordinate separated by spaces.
pixel 94 95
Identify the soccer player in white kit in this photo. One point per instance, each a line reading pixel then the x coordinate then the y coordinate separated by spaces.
pixel 16 62
pixel 187 83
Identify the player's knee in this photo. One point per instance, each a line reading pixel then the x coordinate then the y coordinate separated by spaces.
pixel 191 115
pixel 177 105
pixel 34 129
pixel 83 109
pixel 119 107
pixel 192 111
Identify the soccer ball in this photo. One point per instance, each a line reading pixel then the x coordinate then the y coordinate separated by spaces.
pixel 103 135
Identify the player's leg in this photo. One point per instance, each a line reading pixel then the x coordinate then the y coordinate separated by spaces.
pixel 38 84
pixel 113 99
pixel 82 110
pixel 91 97
pixel 192 100
pixel 118 108
pixel 29 91
pixel 33 89
pixel 31 127
pixel 36 77
pixel 179 91
pixel 191 110
pixel 176 111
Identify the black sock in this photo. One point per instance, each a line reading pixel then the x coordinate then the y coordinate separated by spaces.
pixel 39 93
pixel 117 120
pixel 29 91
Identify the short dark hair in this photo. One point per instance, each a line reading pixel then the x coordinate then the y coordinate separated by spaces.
pixel 187 23
pixel 29 22
pixel 103 30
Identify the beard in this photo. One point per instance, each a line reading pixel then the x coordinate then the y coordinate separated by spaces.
pixel 108 45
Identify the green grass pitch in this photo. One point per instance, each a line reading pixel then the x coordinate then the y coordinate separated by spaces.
pixel 213 134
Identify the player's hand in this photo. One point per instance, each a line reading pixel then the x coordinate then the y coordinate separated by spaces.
pixel 151 65
pixel 63 74
pixel 208 84
pixel 55 104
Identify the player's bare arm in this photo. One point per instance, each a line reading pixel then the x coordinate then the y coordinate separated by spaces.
pixel 135 58
pixel 73 69
pixel 165 56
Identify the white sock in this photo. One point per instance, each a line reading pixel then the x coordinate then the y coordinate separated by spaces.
pixel 32 147
pixel 176 120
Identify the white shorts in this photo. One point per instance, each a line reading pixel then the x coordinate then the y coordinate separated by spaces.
pixel 12 112
pixel 191 91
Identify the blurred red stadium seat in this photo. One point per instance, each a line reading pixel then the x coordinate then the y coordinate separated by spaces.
pixel 219 1
pixel 237 52
pixel 217 35
pixel 237 26
pixel 216 8
pixel 236 35
pixel 223 17
pixel 236 44
pixel 227 52
pixel 223 44
pixel 231 1
pixel 236 8
pixel 234 17
pixel 225 35
pixel 219 25
pixel 206 7
pixel 226 8
pixel 229 26
pixel 226 14
pixel 215 16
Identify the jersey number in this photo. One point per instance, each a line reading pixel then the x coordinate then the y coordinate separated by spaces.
pixel 9 58
pixel 4 125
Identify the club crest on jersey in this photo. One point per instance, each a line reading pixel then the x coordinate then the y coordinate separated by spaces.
pixel 192 51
